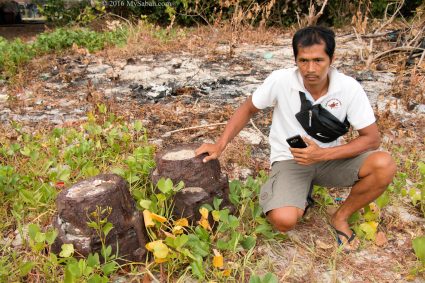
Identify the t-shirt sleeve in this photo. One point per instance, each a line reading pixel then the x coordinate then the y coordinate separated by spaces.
pixel 265 96
pixel 360 113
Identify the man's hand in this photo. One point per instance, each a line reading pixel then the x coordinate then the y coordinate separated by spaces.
pixel 309 155
pixel 238 120
pixel 213 150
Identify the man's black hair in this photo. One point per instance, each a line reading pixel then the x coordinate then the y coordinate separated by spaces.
pixel 311 35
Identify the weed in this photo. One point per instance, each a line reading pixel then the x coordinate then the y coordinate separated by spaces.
pixel 206 247
pixel 35 167
pixel 15 54
pixel 268 278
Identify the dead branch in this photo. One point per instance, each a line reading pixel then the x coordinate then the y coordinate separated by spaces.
pixel 401 3
pixel 312 18
pixel 417 38
pixel 421 59
pixel 167 134
pixel 365 36
pixel 360 42
pixel 370 57
pixel 258 130
pixel 401 48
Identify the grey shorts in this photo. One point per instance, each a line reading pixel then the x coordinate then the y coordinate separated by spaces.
pixel 289 182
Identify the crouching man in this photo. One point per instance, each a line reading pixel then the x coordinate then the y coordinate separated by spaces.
pixel 300 96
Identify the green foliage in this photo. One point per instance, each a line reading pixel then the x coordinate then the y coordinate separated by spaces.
pixel 415 193
pixel 91 269
pixel 12 55
pixel 419 248
pixel 190 12
pixel 66 12
pixel 63 38
pixel 15 54
pixel 322 196
pixel 35 167
pixel 267 278
pixel 217 234
pixel 9 180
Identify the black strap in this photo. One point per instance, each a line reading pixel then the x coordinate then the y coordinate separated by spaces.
pixel 305 103
pixel 349 239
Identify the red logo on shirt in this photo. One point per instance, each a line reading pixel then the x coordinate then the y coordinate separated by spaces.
pixel 333 103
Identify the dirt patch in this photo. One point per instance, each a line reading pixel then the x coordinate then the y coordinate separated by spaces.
pixel 25 31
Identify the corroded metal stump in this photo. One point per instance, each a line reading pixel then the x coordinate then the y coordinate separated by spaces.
pixel 203 181
pixel 76 203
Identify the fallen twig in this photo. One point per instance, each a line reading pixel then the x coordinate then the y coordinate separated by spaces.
pixel 401 48
pixel 167 134
pixel 360 42
pixel 417 38
pixel 357 36
pixel 258 130
pixel 421 59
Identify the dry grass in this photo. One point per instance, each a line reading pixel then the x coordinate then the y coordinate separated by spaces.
pixel 203 40
pixel 409 86
pixel 237 152
pixel 150 39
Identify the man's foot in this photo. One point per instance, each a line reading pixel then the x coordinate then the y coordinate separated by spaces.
pixel 345 236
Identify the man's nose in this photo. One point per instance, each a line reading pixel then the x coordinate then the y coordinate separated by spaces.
pixel 310 67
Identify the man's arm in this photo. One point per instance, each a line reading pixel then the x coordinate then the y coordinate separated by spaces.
pixel 368 139
pixel 236 123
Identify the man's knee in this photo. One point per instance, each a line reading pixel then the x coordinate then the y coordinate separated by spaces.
pixel 383 166
pixel 284 218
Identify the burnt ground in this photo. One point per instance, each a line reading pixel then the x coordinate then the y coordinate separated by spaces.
pixel 175 90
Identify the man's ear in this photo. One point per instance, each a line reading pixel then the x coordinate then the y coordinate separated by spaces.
pixel 333 58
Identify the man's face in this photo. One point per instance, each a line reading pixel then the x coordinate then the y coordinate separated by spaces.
pixel 314 64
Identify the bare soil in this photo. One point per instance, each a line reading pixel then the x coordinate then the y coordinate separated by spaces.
pixel 26 31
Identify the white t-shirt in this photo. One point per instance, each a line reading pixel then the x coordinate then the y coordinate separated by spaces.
pixel 345 97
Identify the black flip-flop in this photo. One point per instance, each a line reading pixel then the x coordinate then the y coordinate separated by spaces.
pixel 310 200
pixel 340 233
pixel 310 203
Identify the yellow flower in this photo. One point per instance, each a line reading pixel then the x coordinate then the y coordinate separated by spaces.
pixel 373 207
pixel 218 259
pixel 147 217
pixel 159 249
pixel 204 218
pixel 149 246
pixel 177 230
pixel 227 272
pixel 161 260
pixel 204 212
pixel 181 222
pixel 158 218
pixel 204 223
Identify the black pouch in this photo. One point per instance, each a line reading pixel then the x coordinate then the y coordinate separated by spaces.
pixel 319 122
